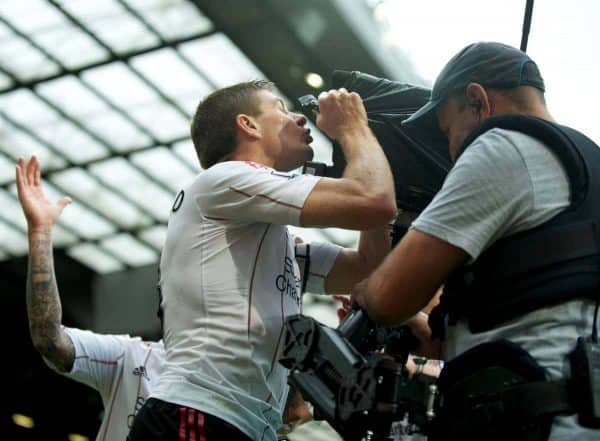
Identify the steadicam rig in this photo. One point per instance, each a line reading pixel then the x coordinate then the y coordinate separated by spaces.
pixel 360 392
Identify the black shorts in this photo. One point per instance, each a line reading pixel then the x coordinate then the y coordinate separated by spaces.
pixel 161 421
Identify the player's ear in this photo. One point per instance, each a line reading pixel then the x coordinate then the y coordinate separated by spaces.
pixel 248 125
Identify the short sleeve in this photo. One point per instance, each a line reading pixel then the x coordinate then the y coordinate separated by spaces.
pixel 97 357
pixel 315 261
pixel 248 192
pixel 486 193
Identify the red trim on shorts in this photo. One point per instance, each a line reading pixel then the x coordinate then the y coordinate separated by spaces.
pixel 182 424
pixel 201 431
pixel 191 425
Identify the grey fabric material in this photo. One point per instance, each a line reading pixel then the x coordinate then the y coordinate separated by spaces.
pixel 505 182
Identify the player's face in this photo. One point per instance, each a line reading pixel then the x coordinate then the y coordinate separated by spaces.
pixel 284 134
pixel 456 121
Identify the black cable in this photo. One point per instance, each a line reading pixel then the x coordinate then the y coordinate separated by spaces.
pixel 526 25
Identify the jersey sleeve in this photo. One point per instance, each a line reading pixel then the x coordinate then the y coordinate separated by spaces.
pixel 97 358
pixel 315 261
pixel 246 192
pixel 487 192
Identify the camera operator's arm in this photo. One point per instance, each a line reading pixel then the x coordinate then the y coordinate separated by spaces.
pixel 408 277
pixel 364 197
pixel 43 303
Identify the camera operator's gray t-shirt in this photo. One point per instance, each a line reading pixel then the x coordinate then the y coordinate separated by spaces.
pixel 507 182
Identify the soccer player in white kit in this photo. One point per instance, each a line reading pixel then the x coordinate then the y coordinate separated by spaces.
pixel 228 274
pixel 121 368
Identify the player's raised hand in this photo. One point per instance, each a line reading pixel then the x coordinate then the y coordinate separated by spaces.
pixel 39 211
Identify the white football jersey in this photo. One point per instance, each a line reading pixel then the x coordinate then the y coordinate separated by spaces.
pixel 122 369
pixel 228 281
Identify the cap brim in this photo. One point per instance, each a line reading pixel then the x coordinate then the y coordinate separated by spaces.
pixel 419 116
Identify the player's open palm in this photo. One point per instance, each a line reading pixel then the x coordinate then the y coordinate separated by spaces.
pixel 39 210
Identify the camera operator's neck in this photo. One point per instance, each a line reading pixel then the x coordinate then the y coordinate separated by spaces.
pixel 521 100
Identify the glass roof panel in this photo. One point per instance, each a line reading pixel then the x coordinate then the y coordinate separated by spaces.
pixel 80 102
pixel 93 113
pixel 186 151
pixel 21 59
pixel 112 24
pixel 120 174
pixel 75 217
pixel 163 164
pixel 13 241
pixel 53 32
pixel 215 55
pixel 162 66
pixel 128 92
pixel 97 259
pixel 12 212
pixel 155 235
pixel 129 250
pixel 116 82
pixel 173 19
pixel 62 237
pixel 84 187
pixel 7 170
pixel 76 145
pixel 16 143
pixel 5 82
pixel 25 108
pixel 161 120
pixel 31 16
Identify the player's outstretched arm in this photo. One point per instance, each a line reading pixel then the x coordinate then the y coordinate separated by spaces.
pixel 43 302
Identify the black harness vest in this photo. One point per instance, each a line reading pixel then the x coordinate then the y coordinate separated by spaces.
pixel 550 264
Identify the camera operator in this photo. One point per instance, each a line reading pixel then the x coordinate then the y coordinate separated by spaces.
pixel 228 275
pixel 509 234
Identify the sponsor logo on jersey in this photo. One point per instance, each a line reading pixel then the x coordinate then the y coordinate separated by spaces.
pixel 141 372
pixel 288 283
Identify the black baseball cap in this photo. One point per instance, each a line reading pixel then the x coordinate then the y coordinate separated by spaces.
pixel 490 64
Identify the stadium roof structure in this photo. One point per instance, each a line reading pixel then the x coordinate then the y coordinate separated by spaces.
pixel 103 92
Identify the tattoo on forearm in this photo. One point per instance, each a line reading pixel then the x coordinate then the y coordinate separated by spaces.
pixel 43 304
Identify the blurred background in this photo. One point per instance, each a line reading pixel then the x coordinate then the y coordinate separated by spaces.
pixel 103 91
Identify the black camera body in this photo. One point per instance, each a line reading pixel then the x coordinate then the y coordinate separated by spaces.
pixel 355 375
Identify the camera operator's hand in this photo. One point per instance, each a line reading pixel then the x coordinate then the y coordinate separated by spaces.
pixel 341 113
pixel 358 293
